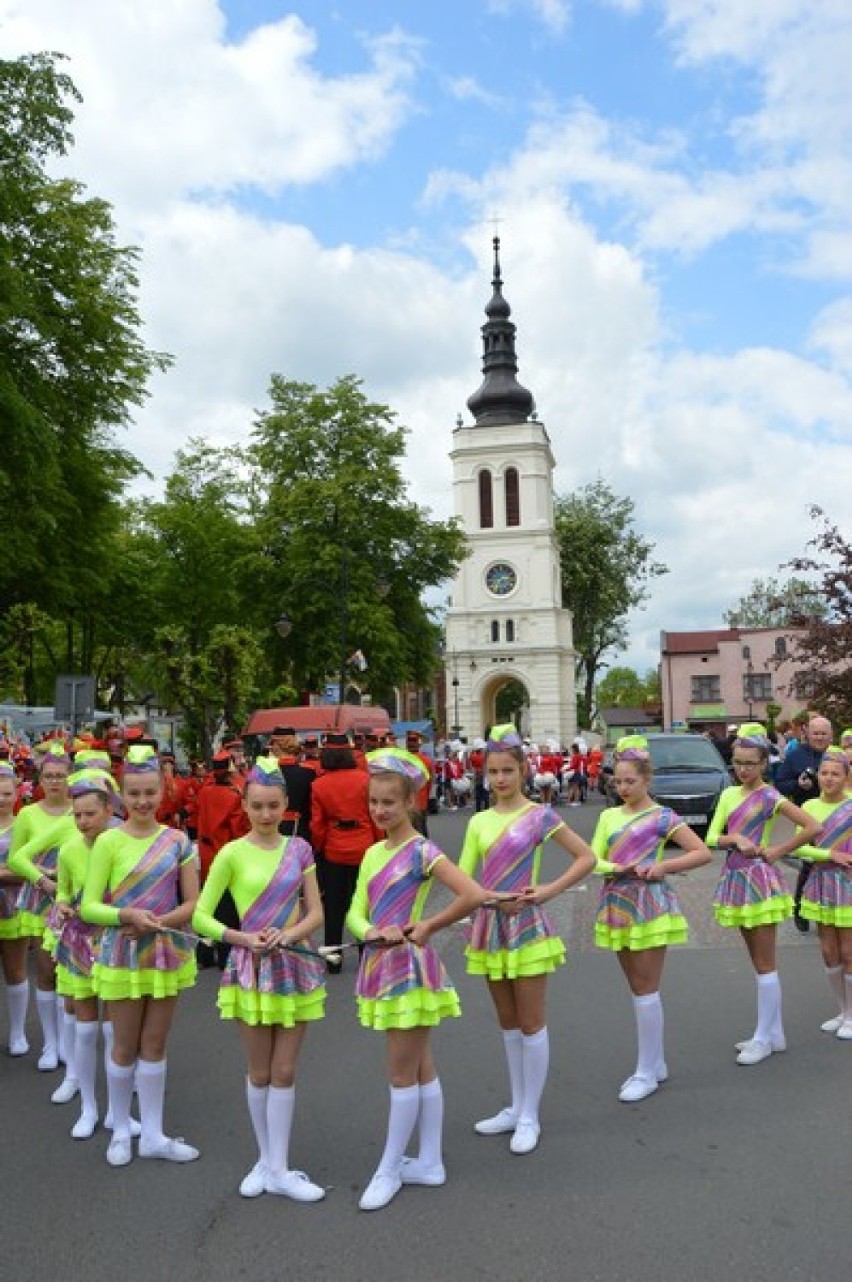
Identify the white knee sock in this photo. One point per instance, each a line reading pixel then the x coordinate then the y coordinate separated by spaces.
pixel 513 1043
pixel 280 1106
pixel 46 1006
pixel 834 974
pixel 648 1011
pixel 120 1092
pixel 536 1059
pixel 18 998
pixel 847 1001
pixel 86 1056
pixel 256 1097
pixel 430 1121
pixel 151 1089
pixel 68 1038
pixel 404 1108
pixel 61 1029
pixel 769 1027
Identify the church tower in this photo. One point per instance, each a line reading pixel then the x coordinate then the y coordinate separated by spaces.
pixel 506 630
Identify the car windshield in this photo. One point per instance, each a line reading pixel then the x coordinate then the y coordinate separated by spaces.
pixel 683 754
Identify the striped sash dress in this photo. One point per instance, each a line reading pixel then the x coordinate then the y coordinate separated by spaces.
pixel 827 895
pixel 751 892
pixel 403 986
pixel 159 963
pixel 279 987
pixel 632 913
pixel 505 945
pixel 11 926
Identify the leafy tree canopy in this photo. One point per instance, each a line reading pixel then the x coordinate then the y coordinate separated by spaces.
pixel 823 655
pixel 774 603
pixel 606 566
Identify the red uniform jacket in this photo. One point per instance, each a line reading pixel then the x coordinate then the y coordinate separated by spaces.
pixel 221 819
pixel 341 827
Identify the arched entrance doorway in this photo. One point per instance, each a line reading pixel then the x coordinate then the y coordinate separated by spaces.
pixel 505 697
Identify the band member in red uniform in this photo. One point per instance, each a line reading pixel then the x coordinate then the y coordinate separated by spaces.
pixel 310 758
pixel 420 808
pixel 220 818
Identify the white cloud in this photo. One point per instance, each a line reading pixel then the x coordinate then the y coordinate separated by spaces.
pixel 171 107
pixel 554 14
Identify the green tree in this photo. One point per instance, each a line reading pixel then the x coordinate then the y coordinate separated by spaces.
pixel 345 555
pixel 823 653
pixel 605 566
pixel 622 687
pixel 772 603
pixel 72 364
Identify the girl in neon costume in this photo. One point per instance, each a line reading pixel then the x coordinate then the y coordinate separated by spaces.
pixel 13 939
pixel 638 913
pixel 141 882
pixel 402 987
pixel 272 993
pixel 751 894
pixel 514 945
pixel 827 893
pixel 37 834
pixel 72 943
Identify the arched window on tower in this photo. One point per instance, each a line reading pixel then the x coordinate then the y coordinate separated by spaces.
pixel 513 497
pixel 510 630
pixel 486 504
pixel 495 630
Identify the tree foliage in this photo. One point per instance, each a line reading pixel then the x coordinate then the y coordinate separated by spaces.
pixel 773 603
pixel 344 553
pixel 823 651
pixel 606 567
pixel 622 687
pixel 72 363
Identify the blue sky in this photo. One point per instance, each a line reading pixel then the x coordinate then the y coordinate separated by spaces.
pixel 313 186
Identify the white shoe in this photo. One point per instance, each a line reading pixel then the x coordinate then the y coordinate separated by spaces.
pixel 844 1032
pixel 293 1184
pixel 18 1046
pixel 134 1127
pixel 48 1060
pixel 502 1123
pixel 168 1150
pixel 754 1051
pixel 65 1091
pixel 636 1088
pixel 412 1171
pixel 382 1189
pixel 525 1137
pixel 85 1127
pixel 253 1184
pixel 778 1044
pixel 120 1152
pixel 831 1025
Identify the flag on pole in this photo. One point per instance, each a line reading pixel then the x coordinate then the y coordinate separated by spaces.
pixel 357 660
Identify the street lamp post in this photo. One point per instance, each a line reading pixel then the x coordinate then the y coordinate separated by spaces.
pixel 456 728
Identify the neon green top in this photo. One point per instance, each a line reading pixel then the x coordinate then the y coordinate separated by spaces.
pixel 820 810
pixel 728 802
pixel 112 858
pixel 245 870
pixel 71 868
pixel 486 827
pixel 34 833
pixel 358 918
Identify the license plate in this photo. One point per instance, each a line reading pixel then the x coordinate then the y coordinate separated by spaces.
pixel 694 819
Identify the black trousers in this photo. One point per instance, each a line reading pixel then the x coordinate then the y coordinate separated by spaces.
pixel 337 883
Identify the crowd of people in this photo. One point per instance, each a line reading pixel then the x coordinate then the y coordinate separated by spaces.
pixel 552 773
pixel 119 878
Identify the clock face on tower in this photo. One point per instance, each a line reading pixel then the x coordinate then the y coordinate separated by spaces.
pixel 500 579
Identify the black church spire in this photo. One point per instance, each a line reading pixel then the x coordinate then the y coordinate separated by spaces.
pixel 501 398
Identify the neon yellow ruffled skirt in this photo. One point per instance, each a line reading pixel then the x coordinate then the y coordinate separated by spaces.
pixel 270 1009
pixel 70 985
pixel 117 983
pixel 418 1008
pixel 538 958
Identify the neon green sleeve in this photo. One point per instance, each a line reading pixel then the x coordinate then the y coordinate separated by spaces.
pixel 717 824
pixel 21 856
pixel 470 855
pixel 92 908
pixel 599 843
pixel 218 880
pixel 64 887
pixel 819 854
pixel 358 917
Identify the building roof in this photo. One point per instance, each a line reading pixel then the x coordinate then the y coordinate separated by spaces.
pixel 500 398
pixel 629 716
pixel 697 642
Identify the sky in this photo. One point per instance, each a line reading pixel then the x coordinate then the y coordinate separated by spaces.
pixel 314 187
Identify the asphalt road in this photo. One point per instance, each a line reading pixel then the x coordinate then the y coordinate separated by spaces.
pixel 727 1170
